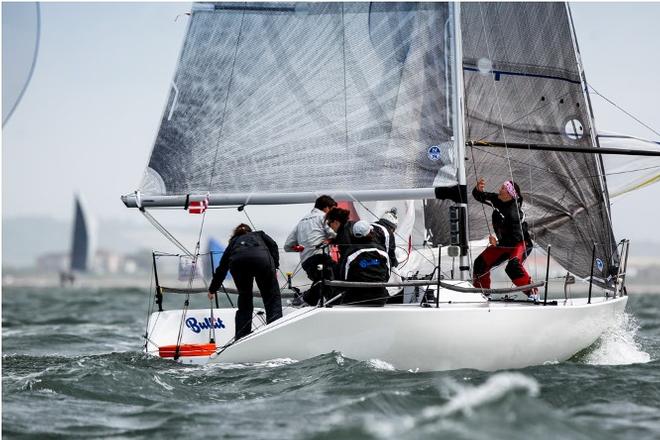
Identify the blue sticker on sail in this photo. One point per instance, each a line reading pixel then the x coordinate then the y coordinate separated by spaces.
pixel 434 152
pixel 599 264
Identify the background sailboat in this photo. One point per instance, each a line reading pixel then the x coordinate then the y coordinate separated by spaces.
pixel 82 244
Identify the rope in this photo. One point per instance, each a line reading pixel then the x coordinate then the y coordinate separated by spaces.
pixel 499 109
pixel 476 175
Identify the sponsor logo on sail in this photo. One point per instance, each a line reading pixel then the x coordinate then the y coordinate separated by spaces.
pixel 599 264
pixel 197 326
pixel 434 152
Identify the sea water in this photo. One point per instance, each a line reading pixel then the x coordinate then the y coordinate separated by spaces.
pixel 72 367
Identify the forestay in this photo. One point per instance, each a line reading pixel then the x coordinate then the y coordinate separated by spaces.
pixel 315 97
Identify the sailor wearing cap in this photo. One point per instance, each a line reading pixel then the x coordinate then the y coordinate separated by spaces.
pixel 366 261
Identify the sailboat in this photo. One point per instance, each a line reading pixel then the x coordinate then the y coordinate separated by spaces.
pixel 82 244
pixel 383 104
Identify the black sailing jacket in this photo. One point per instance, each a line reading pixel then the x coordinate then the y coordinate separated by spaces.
pixel 251 245
pixel 508 218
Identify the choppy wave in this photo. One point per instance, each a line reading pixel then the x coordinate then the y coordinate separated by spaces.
pixel 87 377
pixel 467 398
pixel 618 345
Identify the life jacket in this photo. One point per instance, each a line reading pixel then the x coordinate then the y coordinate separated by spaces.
pixel 368 264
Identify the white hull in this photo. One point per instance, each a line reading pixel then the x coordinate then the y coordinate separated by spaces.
pixel 477 334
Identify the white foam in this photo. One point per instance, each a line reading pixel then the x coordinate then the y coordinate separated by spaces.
pixel 377 364
pixel 617 346
pixel 397 427
pixel 168 387
pixel 272 363
pixel 495 388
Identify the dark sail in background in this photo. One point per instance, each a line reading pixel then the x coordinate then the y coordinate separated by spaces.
pixel 80 247
pixel 290 97
pixel 523 85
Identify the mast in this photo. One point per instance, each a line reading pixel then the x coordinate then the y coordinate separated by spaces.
pixel 459 131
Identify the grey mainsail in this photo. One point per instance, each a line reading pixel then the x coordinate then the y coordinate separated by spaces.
pixel 286 97
pixel 523 85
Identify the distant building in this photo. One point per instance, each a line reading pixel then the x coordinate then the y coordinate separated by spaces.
pixel 53 262
pixel 103 263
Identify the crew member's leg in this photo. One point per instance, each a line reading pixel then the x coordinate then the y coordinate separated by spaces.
pixel 243 278
pixel 310 266
pixel 515 268
pixel 270 292
pixel 490 257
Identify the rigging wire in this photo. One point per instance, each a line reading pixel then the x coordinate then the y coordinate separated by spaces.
pixel 623 110
pixel 499 109
pixel 565 176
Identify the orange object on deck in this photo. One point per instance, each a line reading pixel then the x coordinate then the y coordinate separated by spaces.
pixel 168 351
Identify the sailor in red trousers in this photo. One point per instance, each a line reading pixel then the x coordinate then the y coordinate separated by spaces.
pixel 511 241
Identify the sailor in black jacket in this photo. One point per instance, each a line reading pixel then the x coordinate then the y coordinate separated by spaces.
pixel 365 260
pixel 511 239
pixel 250 255
pixel 384 229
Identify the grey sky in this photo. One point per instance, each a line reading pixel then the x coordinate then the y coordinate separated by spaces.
pixel 89 117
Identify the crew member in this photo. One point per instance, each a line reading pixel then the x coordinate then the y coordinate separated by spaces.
pixel 249 256
pixel 308 238
pixel 366 261
pixel 509 242
pixel 338 220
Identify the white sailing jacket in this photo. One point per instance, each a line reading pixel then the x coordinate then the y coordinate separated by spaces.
pixel 309 233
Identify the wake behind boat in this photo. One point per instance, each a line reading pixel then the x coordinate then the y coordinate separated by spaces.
pixel 382 105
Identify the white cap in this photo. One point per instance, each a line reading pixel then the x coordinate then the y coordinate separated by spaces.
pixel 390 216
pixel 361 229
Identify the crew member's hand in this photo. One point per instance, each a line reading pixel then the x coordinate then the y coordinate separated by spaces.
pixel 492 240
pixel 481 184
pixel 298 248
pixel 211 296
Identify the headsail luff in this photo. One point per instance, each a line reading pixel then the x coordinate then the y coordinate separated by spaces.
pixel 291 98
pixel 523 85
